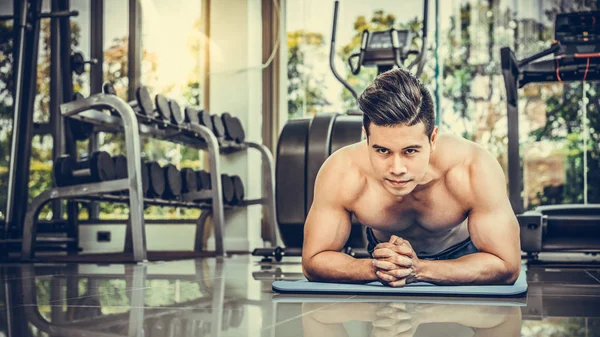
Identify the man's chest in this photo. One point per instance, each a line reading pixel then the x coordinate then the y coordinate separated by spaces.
pixel 435 211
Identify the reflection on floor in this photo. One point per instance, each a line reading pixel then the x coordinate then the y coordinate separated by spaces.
pixel 233 297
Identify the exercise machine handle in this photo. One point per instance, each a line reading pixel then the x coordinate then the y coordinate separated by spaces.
pixel 420 59
pixel 396 48
pixel 553 49
pixel 355 70
pixel 361 55
pixel 332 53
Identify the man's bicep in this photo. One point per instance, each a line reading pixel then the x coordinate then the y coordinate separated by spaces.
pixel 327 228
pixel 495 231
pixel 328 223
pixel 493 226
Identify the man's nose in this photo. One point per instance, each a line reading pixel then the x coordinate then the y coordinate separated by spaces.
pixel 398 166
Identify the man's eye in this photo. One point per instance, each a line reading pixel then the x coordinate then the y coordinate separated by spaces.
pixel 411 151
pixel 383 151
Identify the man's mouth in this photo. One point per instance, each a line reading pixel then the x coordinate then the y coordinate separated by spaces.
pixel 398 183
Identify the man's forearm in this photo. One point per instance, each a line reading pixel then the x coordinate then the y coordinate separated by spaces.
pixel 338 267
pixel 478 268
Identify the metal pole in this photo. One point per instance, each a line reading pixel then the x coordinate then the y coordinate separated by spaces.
pixel 586 132
pixel 67 90
pixel 56 121
pixel 514 158
pixel 19 50
pixel 96 75
pixel 134 59
pixel 25 89
pixel 439 69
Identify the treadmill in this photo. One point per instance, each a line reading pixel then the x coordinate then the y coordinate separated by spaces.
pixel 576 50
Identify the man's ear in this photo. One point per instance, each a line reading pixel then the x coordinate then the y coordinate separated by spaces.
pixel 433 138
pixel 364 132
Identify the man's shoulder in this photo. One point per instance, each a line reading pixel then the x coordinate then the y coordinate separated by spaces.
pixel 471 165
pixel 342 173
pixel 462 154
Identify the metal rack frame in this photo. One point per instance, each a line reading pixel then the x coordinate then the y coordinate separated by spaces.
pixel 134 125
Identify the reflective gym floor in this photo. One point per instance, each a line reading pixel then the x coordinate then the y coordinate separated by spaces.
pixel 233 297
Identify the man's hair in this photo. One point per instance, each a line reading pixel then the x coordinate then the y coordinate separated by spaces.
pixel 397 97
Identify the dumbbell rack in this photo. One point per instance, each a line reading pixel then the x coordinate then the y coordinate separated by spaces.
pixel 197 136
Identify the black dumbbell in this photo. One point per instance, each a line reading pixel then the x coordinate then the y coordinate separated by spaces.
pixel 143 100
pixel 233 128
pixel 172 182
pixel 277 253
pixel 98 167
pixel 203 180
pixel 205 119
pixel 228 189
pixel 177 116
pixel 109 88
pixel 162 105
pixel 227 192
pixel 218 127
pixel 143 103
pixel 193 116
pixel 145 179
pixel 78 62
pixel 79 129
pixel 239 130
pixel 189 180
pixel 230 132
pixel 156 187
pixel 120 162
pixel 238 188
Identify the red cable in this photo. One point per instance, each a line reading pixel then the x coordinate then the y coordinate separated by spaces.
pixel 587 66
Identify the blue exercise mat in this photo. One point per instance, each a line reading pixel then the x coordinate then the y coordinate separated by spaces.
pixel 420 288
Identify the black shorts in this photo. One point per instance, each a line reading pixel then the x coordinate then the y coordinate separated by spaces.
pixel 463 248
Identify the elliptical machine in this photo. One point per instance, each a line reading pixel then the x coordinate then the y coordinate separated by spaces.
pixel 576 49
pixel 305 143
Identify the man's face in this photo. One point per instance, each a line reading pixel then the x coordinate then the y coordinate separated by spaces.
pixel 400 155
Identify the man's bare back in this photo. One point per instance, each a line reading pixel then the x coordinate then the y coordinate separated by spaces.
pixel 432 218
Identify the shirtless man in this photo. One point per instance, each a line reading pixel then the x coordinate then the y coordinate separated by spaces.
pixel 435 205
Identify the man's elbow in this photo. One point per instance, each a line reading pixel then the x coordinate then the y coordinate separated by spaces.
pixel 511 273
pixel 307 274
pixel 308 269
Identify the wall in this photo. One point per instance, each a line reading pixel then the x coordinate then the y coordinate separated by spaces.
pixel 235 87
